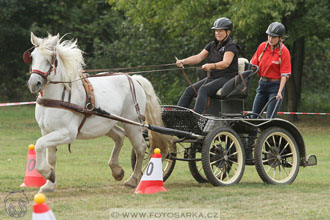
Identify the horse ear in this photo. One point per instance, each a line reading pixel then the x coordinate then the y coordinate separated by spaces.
pixel 55 40
pixel 35 40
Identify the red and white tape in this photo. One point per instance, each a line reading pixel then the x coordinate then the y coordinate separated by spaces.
pixel 17 103
pixel 245 112
pixel 294 113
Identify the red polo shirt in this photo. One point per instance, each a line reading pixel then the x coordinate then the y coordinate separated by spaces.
pixel 269 65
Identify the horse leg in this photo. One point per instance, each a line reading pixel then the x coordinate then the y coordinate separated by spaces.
pixel 135 136
pixel 51 140
pixel 49 185
pixel 118 135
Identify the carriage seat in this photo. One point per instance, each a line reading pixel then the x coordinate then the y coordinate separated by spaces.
pixel 230 98
pixel 234 88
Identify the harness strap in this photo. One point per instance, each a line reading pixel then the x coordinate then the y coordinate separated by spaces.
pixel 85 116
pixel 90 99
pixel 136 104
pixel 66 105
pixel 79 109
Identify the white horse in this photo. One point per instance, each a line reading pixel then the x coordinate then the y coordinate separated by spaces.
pixel 55 60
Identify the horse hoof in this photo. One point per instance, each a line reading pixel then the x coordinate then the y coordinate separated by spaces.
pixel 120 176
pixel 48 187
pixel 131 183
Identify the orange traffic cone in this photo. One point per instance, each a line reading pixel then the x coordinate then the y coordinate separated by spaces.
pixel 41 210
pixel 32 177
pixel 152 179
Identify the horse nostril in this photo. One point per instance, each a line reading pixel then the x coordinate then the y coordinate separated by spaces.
pixel 38 83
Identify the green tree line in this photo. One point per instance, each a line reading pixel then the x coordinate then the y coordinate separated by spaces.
pixel 128 33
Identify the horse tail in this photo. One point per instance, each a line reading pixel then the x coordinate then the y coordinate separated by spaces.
pixel 154 117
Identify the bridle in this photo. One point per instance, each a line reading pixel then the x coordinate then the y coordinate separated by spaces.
pixel 28 60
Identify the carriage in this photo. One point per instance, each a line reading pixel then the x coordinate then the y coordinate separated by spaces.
pixel 220 143
pixel 217 145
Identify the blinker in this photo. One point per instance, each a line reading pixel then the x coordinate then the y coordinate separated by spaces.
pixel 27 57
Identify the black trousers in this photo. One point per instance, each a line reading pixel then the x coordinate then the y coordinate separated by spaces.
pixel 205 87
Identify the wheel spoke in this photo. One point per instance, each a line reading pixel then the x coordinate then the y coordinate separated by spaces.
pixel 216 169
pixel 264 161
pixel 221 174
pixel 219 140
pixel 270 147
pixel 232 143
pixel 213 162
pixel 270 166
pixel 284 148
pixel 268 152
pixel 284 170
pixel 265 152
pixel 274 172
pixel 212 153
pixel 290 164
pixel 280 142
pixel 286 155
pixel 232 161
pixel 274 141
pixel 227 174
pixel 232 154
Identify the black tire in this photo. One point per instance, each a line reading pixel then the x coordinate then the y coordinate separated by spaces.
pixel 223 157
pixel 277 151
pixel 196 167
pixel 168 164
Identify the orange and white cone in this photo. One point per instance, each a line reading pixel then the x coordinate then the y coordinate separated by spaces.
pixel 152 179
pixel 32 177
pixel 41 210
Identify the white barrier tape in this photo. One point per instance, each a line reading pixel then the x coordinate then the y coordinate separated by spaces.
pixel 17 103
pixel 294 113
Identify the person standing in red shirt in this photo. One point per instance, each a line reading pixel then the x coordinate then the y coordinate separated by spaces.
pixel 273 59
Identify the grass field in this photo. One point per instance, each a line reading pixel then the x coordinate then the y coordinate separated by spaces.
pixel 86 189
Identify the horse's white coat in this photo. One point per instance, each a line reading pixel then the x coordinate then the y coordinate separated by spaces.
pixel 60 126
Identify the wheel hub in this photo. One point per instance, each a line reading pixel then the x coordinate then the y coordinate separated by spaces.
pixel 219 156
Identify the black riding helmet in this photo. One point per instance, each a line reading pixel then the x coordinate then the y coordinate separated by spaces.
pixel 223 23
pixel 276 29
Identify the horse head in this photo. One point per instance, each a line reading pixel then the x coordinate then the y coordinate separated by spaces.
pixel 43 61
pixel 51 56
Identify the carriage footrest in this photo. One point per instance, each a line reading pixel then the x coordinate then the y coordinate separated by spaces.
pixel 311 160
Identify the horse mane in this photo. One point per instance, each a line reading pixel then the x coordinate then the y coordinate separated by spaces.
pixel 70 59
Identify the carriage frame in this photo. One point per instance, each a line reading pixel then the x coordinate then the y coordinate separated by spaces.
pixel 220 143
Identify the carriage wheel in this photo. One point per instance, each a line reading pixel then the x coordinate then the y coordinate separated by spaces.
pixel 167 165
pixel 223 157
pixel 276 156
pixel 196 167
